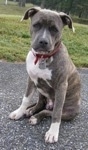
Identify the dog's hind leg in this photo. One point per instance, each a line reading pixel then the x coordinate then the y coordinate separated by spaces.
pixel 70 113
pixel 39 106
pixel 71 107
pixel 40 116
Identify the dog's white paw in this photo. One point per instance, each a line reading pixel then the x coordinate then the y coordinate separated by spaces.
pixel 33 120
pixel 51 135
pixel 17 114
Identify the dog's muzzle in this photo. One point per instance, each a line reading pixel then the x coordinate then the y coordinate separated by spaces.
pixel 46 55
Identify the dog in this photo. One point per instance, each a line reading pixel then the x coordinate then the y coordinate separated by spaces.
pixel 51 72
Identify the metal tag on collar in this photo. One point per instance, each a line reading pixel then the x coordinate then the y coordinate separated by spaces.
pixel 42 63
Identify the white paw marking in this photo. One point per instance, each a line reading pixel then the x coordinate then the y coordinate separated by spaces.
pixel 51 135
pixel 17 114
pixel 33 120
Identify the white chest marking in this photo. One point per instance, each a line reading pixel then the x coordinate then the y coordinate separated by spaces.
pixel 34 71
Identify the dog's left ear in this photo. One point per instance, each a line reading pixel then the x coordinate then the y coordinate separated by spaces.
pixel 30 13
pixel 67 20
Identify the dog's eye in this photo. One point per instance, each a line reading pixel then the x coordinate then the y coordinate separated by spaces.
pixel 37 26
pixel 53 29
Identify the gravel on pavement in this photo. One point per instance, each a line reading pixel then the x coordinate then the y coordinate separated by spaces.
pixel 19 135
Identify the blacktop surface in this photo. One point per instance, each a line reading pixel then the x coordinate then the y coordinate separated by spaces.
pixel 19 135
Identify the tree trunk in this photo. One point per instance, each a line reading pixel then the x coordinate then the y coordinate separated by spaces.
pixel 43 4
pixel 6 2
pixel 22 3
pixel 80 14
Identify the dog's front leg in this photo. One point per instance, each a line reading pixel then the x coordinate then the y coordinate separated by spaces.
pixel 18 113
pixel 53 133
pixel 39 106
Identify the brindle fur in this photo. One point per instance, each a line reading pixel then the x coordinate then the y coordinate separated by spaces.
pixel 60 91
pixel 65 82
pixel 66 73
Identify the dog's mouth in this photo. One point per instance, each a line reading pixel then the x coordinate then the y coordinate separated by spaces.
pixel 42 54
pixel 41 50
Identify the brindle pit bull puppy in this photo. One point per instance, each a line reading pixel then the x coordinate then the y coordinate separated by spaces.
pixel 51 72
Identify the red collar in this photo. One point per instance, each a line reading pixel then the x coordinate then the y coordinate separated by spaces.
pixel 48 55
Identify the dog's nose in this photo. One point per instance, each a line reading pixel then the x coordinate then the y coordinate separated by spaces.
pixel 43 42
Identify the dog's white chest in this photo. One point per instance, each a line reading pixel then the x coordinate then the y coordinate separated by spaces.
pixel 34 71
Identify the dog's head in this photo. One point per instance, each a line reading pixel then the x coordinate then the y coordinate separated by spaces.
pixel 46 28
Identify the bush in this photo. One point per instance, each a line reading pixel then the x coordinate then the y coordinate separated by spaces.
pixel 80 20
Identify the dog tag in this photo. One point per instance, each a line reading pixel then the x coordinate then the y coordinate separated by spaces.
pixel 42 63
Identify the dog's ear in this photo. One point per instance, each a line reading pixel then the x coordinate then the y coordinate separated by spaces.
pixel 30 13
pixel 67 20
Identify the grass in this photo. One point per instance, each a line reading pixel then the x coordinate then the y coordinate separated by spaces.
pixel 15 38
pixel 77 44
pixel 12 8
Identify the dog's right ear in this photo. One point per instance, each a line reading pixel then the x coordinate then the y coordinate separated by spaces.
pixel 30 13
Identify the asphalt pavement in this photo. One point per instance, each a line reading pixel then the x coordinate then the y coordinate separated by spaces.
pixel 19 135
